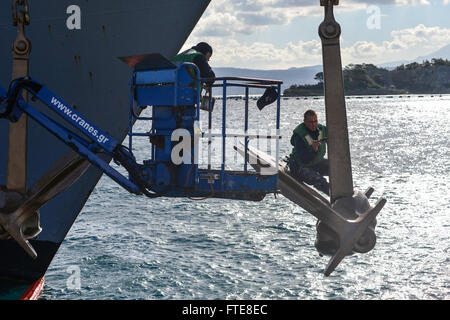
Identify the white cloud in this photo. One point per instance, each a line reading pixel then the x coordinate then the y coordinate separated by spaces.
pixel 232 17
pixel 247 17
pixel 261 55
pixel 412 2
pixel 406 43
pixel 224 20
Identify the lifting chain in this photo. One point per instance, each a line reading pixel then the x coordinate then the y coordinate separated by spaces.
pixel 24 15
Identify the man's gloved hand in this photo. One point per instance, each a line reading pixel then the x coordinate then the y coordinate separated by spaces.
pixel 316 145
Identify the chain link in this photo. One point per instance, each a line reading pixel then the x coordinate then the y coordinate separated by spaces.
pixel 22 16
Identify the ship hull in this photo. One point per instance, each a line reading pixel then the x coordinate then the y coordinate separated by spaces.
pixel 82 66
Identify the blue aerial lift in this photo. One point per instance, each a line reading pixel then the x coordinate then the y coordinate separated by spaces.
pixel 174 96
pixel 175 99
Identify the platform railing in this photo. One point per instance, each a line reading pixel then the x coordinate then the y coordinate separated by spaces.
pixel 170 78
pixel 246 84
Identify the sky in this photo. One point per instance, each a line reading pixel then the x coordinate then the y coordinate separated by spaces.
pixel 281 34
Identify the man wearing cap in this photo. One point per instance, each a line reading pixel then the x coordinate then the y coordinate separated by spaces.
pixel 307 162
pixel 199 55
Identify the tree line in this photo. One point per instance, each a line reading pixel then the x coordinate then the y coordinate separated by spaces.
pixel 360 79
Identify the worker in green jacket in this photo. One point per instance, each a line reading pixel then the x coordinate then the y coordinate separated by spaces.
pixel 199 55
pixel 307 162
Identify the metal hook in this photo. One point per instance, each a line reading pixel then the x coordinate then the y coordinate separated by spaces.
pixel 24 14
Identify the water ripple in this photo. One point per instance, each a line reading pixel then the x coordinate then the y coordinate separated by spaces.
pixel 129 247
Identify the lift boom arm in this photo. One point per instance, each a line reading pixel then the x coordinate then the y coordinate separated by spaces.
pixel 14 106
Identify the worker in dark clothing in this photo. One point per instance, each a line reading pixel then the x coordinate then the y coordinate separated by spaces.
pixel 307 162
pixel 199 55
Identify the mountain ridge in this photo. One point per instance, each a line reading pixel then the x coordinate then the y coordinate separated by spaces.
pixel 306 75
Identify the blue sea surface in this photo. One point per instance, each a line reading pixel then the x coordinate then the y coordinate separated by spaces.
pixel 124 246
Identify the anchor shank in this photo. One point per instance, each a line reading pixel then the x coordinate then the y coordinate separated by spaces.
pixel 17 146
pixel 341 182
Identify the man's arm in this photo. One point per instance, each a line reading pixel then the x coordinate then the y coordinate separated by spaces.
pixel 205 70
pixel 302 151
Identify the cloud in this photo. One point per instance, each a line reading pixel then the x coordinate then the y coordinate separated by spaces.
pixel 248 17
pixel 407 43
pixel 262 19
pixel 225 21
pixel 233 17
pixel 412 2
pixel 263 55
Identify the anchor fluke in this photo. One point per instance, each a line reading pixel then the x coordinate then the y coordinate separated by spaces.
pixel 19 215
pixel 15 230
pixel 344 227
pixel 350 208
pixel 28 228
pixel 347 240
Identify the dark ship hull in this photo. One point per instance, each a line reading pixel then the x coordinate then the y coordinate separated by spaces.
pixel 82 66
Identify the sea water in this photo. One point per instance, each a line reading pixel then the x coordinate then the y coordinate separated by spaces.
pixel 124 246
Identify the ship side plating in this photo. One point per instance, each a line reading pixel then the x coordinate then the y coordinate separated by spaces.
pixel 82 65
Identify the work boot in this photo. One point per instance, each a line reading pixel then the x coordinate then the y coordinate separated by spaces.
pixel 322 185
pixel 314 179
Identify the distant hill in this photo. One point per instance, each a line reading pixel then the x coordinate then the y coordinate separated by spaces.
pixel 428 77
pixel 305 75
pixel 289 76
pixel 442 53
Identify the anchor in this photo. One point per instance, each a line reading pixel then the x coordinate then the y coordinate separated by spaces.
pixel 346 203
pixel 346 223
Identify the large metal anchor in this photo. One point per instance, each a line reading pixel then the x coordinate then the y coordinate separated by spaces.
pixel 355 219
pixel 345 223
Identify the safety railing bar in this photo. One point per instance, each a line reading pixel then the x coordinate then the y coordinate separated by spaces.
pixel 258 80
pixel 143 118
pixel 209 139
pixel 130 116
pixel 153 155
pixel 197 118
pixel 278 126
pixel 140 134
pixel 246 85
pixel 155 84
pixel 240 135
pixel 224 132
pixel 246 129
